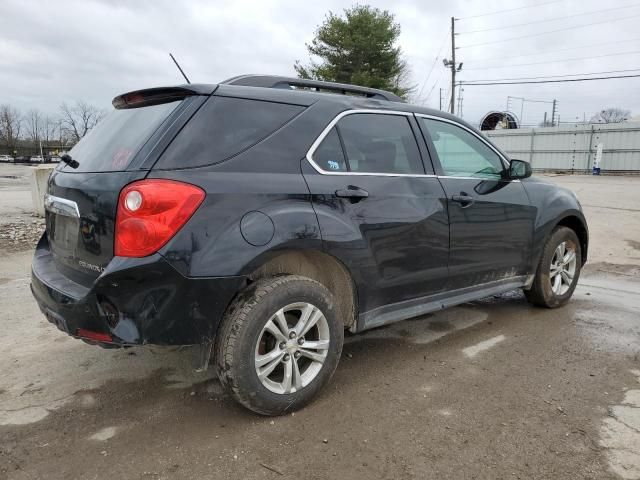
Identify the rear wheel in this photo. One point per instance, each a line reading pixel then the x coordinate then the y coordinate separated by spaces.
pixel 558 270
pixel 279 344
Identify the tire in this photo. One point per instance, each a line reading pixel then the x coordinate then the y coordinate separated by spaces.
pixel 542 292
pixel 252 335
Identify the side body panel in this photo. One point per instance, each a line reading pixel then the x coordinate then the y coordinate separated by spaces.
pixel 257 205
pixel 491 219
pixel 394 243
pixel 491 239
pixel 554 204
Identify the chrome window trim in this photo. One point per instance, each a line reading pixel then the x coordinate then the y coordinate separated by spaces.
pixel 503 159
pixel 482 179
pixel 61 206
pixel 332 124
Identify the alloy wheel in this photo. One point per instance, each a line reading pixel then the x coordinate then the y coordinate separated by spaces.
pixel 563 268
pixel 292 348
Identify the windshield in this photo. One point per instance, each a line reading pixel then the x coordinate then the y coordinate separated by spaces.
pixel 112 144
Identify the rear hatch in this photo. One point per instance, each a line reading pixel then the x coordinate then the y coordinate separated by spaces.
pixel 81 202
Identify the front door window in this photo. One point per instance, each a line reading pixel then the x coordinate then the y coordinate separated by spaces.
pixel 462 154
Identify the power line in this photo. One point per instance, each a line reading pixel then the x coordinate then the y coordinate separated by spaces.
pixel 635 52
pixel 434 64
pixel 508 10
pixel 553 76
pixel 437 82
pixel 546 52
pixel 554 81
pixel 547 20
pixel 549 31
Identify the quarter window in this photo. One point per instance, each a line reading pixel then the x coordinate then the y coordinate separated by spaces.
pixel 329 155
pixel 461 153
pixel 224 127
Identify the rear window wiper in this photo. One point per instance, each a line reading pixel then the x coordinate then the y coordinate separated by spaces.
pixel 66 158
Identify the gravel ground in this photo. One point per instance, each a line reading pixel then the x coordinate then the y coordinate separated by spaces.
pixel 21 235
pixel 494 389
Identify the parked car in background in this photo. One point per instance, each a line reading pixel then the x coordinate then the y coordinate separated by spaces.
pixel 6 158
pixel 37 159
pixel 53 159
pixel 266 219
pixel 22 159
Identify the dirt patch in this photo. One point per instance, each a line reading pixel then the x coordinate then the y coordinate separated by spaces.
pixel 612 268
pixel 634 244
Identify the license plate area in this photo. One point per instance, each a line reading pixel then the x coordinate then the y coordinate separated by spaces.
pixel 63 235
pixel 63 225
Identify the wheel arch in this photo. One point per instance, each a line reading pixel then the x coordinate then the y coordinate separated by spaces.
pixel 317 265
pixel 578 225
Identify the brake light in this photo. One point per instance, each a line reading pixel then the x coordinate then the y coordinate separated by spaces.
pixel 150 212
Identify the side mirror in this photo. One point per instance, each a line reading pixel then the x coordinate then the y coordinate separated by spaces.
pixel 519 169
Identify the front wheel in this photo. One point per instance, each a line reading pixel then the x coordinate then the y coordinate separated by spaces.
pixel 558 270
pixel 279 344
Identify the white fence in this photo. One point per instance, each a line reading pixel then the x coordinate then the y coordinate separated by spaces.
pixel 573 147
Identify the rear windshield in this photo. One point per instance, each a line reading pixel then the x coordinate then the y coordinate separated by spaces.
pixel 112 144
pixel 224 127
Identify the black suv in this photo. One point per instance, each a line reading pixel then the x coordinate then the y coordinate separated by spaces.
pixel 264 216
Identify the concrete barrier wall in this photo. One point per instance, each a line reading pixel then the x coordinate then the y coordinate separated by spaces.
pixel 39 179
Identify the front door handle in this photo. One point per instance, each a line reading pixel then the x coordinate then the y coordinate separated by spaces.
pixel 352 192
pixel 463 199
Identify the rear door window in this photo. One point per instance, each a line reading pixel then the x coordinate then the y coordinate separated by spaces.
pixel 380 143
pixel 111 145
pixel 224 127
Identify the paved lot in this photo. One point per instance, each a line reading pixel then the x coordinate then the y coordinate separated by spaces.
pixel 489 390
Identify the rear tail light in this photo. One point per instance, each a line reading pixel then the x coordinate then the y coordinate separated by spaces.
pixel 150 212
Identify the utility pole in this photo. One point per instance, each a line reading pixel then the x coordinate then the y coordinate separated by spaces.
pixel 453 61
pixel 553 113
pixel 441 99
pixel 453 66
pixel 460 95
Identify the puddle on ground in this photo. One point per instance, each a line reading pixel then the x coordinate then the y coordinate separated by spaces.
pixel 605 307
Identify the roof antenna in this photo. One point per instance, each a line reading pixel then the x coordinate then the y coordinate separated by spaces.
pixel 178 65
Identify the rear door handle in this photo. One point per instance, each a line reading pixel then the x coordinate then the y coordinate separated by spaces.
pixel 352 192
pixel 463 199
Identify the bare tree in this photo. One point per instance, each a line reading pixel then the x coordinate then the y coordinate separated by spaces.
pixel 79 118
pixel 50 129
pixel 403 81
pixel 611 115
pixel 10 125
pixel 34 126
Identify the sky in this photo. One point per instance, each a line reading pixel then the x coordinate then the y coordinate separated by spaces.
pixel 60 51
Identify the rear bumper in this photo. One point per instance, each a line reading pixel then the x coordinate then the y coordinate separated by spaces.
pixel 135 301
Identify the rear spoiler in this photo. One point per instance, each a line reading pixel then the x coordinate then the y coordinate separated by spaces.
pixel 156 96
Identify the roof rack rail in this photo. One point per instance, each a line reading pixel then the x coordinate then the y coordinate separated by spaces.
pixel 275 81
